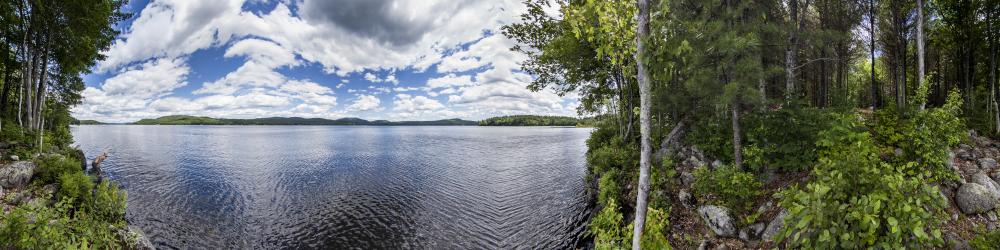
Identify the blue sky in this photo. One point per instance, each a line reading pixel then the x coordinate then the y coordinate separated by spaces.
pixel 374 59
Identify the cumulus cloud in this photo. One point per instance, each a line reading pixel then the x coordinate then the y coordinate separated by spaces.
pixel 364 103
pixel 476 73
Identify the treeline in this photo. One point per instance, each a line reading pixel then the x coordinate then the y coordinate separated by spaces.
pixel 759 85
pixel 530 120
pixel 198 120
pixel 45 47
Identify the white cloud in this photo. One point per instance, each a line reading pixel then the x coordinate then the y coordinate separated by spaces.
pixel 364 103
pixel 410 104
pixel 450 80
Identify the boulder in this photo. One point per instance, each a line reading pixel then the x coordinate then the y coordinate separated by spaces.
pixel 716 164
pixel 687 179
pixel 717 218
pixel 79 156
pixel 964 152
pixel 775 226
pixel 987 164
pixel 134 238
pixel 973 198
pixel 16 174
pixel 685 198
pixel 693 162
pixel 751 232
pixel 15 158
pixel 981 179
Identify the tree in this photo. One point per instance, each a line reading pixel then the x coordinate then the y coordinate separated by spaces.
pixel 790 65
pixel 920 53
pixel 642 31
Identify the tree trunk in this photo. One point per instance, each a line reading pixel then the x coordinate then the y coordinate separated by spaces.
pixel 920 55
pixel 790 51
pixel 737 139
pixel 871 20
pixel 644 126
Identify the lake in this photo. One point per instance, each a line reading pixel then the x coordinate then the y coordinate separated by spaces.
pixel 349 186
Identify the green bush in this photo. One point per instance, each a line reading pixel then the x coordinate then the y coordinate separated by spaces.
pixel 109 202
pixel 608 230
pixel 784 139
pixel 31 227
pixel 50 167
pixel 925 138
pixel 654 236
pixel 729 186
pixel 986 241
pixel 856 200
pixel 610 190
pixel 76 186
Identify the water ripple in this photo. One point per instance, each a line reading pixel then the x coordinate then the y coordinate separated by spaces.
pixel 349 187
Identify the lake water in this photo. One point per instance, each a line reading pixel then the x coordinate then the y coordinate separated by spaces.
pixel 349 186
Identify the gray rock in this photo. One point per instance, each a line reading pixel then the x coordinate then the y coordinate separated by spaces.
pixel 974 198
pixel 775 226
pixel 687 179
pixel 693 162
pixel 898 152
pixel 981 179
pixel 751 232
pixel 15 158
pixel 991 216
pixel 995 175
pixel 717 218
pixel 716 164
pixel 954 217
pixel 16 174
pixel 987 164
pixel 957 243
pixel 964 152
pixel 703 245
pixel 134 238
pixel 685 198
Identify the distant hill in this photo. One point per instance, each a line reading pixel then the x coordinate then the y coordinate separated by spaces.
pixel 198 120
pixel 533 120
pixel 85 122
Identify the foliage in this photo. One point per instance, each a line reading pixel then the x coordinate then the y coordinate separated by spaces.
pixel 729 186
pixel 51 167
pixel 76 186
pixel 608 230
pixel 986 241
pixel 784 139
pixel 609 188
pixel 925 138
pixel 529 120
pixel 858 201
pixel 28 227
pixel 654 235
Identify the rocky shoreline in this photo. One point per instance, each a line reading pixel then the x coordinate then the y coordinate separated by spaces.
pixel 17 190
pixel 973 202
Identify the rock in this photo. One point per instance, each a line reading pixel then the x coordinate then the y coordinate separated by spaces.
pixel 16 174
pixel 954 217
pixel 765 207
pixel 951 163
pixel 693 162
pixel 134 238
pixel 898 152
pixel 717 218
pixel 964 152
pixel 703 245
pixel 15 158
pixel 79 156
pixel 957 243
pixel 751 232
pixel 991 216
pixel 49 190
pixel 995 175
pixel 722 247
pixel 775 226
pixel 716 164
pixel 981 179
pixel 687 179
pixel 685 198
pixel 973 198
pixel 987 164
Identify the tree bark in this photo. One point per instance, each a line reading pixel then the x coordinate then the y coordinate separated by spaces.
pixel 737 139
pixel 644 126
pixel 791 50
pixel 871 21
pixel 920 54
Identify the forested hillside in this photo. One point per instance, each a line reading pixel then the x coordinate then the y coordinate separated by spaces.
pixel 780 123
pixel 50 198
pixel 198 120
pixel 530 120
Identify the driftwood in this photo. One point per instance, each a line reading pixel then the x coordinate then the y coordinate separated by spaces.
pixel 673 142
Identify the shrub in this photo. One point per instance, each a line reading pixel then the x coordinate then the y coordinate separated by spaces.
pixel 76 186
pixel 30 227
pixel 986 241
pixel 609 188
pixel 925 138
pixel 109 202
pixel 608 230
pixel 730 187
pixel 784 139
pixel 654 236
pixel 858 201
pixel 50 167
